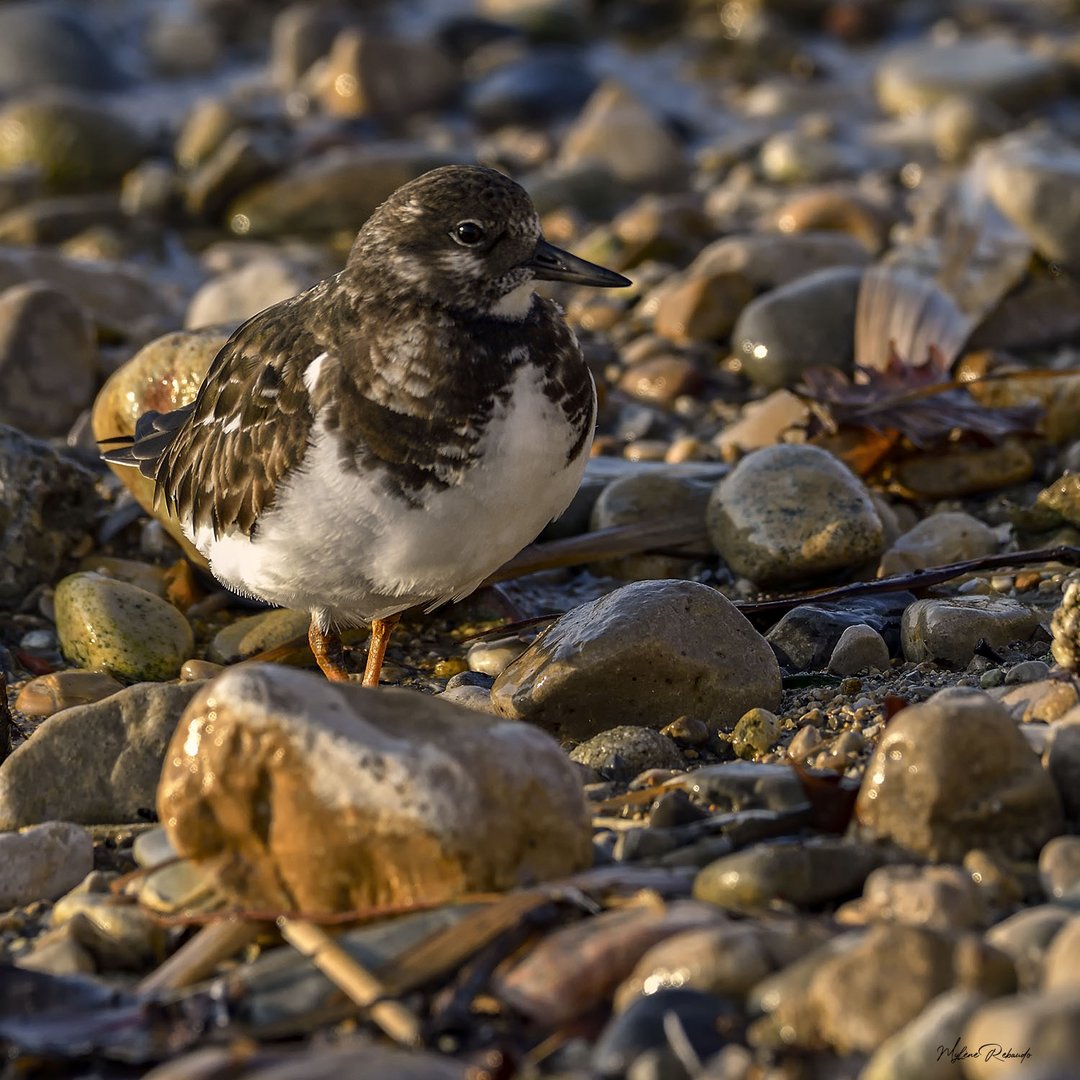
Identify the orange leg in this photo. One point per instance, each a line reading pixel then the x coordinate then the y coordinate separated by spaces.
pixel 329 654
pixel 381 629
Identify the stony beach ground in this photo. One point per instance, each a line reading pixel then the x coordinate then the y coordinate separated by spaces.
pixel 673 831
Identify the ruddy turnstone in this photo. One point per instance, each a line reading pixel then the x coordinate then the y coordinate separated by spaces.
pixel 396 433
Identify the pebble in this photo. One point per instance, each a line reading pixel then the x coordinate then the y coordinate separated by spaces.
pixel 57 506
pixel 1059 868
pixel 116 934
pixel 112 626
pixel 48 694
pixel 58 952
pixel 539 86
pixel 119 746
pixel 256 633
pixel 806 323
pixel 928 799
pixel 621 753
pixel 617 129
pixel 44 46
pixel 242 159
pixel 43 862
pixel 948 537
pixel 1061 967
pixel 860 648
pixel 697 307
pixel 1062 760
pixel 915 77
pixel 494 656
pixel 377 798
pixel 791 513
pixel 1040 702
pixel 577 967
pixel 938 897
pixel 761 423
pixel 955 472
pixel 1046 1024
pixel 74 142
pixel 755 733
pixel 800 873
pixel 644 654
pixel 947 630
pixel 1026 936
pixel 1027 671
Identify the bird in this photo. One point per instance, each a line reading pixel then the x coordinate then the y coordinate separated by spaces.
pixel 394 434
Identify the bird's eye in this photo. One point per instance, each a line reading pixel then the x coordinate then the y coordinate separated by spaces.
pixel 468 233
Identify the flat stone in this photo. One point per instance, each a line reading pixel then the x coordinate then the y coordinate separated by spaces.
pixel 915 77
pixel 111 626
pixel 299 794
pixel 645 654
pixel 48 503
pixel 256 633
pixel 93 764
pixel 48 694
pixel 762 423
pixel 43 862
pixel 799 873
pixel 938 540
pixel 860 648
pixel 927 798
pixel 947 630
pixel 791 513
pixel 806 323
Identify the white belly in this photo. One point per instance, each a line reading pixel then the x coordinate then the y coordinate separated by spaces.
pixel 336 542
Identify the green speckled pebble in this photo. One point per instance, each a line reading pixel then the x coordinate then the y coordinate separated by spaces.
pixel 112 626
pixel 255 633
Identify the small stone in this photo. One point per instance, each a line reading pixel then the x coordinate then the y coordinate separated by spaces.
pixel 196 670
pixel 387 78
pixel 661 380
pixel 645 654
pixel 1061 968
pixel 939 897
pixel 688 731
pixel 803 874
pixel 116 934
pixel 1025 938
pixel 815 213
pixel 1028 671
pixel 74 142
pixel 938 540
pixel 93 764
pixel 43 862
pixel 471 697
pixel 807 740
pixel 700 307
pixel 1059 868
pixel 619 130
pixel 377 798
pixel 301 34
pixel 183 43
pixel 621 753
pixel 755 733
pixel 947 630
pixel 257 633
pixel 997 70
pixel 954 472
pixel 493 657
pixel 58 952
pixel 860 648
pixel 121 629
pixel 928 799
pixel 788 513
pixel 762 423
pixel 242 159
pixel 48 694
pixel 539 86
pixel 1062 760
pixel 807 323
pixel 857 1009
pixel 1040 702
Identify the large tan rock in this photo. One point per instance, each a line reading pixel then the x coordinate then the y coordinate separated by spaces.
pixel 954 773
pixel 299 794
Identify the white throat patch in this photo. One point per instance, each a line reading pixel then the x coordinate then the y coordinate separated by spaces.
pixel 516 304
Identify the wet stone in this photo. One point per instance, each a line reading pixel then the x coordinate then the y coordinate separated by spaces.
pixel 96 763
pixel 43 862
pixel 800 873
pixel 1047 1021
pixel 790 513
pixel 937 540
pixel 492 657
pixel 1025 938
pixel 947 630
pixel 938 897
pixel 644 654
pixel 804 324
pixel 48 694
pixel 621 753
pixel 938 804
pixel 860 648
pixel 256 633
pixel 118 628
pixel 915 77
pixel 47 504
pixel 375 797
pixel 755 733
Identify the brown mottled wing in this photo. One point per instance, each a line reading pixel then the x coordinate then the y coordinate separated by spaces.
pixel 246 430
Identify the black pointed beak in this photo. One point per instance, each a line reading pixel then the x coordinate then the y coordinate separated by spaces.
pixel 549 263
